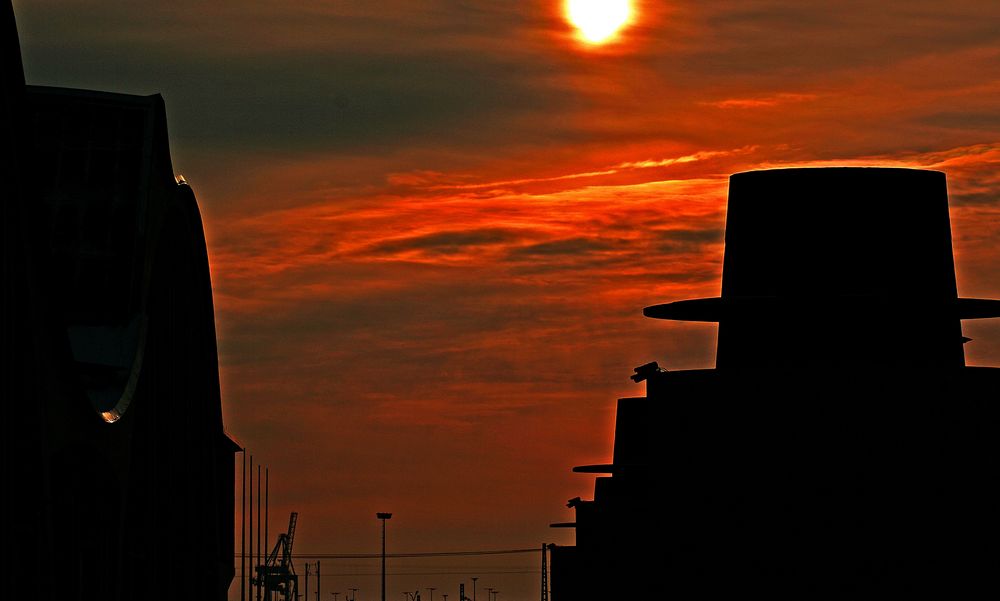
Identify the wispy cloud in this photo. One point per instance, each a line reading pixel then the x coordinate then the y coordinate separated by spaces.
pixel 425 178
pixel 522 181
pixel 689 158
pixel 760 101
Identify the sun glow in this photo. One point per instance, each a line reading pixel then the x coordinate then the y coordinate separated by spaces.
pixel 598 20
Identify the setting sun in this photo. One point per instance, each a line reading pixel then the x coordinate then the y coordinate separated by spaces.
pixel 598 20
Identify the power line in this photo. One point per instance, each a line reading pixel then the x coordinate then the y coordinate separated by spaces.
pixel 453 572
pixel 398 555
pixel 436 573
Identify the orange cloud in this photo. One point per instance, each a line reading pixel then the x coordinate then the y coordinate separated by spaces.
pixel 761 101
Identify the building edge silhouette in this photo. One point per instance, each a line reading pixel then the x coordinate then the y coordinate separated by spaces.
pixel 113 440
pixel 840 448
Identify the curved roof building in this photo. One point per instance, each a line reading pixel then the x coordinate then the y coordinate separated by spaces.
pixel 113 435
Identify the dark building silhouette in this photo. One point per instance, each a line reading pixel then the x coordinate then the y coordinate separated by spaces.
pixel 118 475
pixel 841 448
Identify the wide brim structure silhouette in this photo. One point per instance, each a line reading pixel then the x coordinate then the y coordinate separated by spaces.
pixel 841 448
pixel 850 255
pixel 718 308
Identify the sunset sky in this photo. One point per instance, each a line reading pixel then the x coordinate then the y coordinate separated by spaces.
pixel 433 224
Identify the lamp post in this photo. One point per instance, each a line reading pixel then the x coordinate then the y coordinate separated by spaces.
pixel 354 593
pixel 431 589
pixel 383 516
pixel 474 579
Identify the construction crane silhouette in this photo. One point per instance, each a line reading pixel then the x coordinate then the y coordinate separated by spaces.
pixel 277 576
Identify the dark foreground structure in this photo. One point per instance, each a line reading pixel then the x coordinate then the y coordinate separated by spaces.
pixel 117 472
pixel 840 448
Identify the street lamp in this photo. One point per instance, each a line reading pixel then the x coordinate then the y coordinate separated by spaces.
pixel 474 579
pixel 383 516
pixel 431 589
pixel 354 594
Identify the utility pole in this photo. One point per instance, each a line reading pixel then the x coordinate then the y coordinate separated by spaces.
pixel 382 515
pixel 545 573
pixel 249 574
pixel 258 527
pixel 267 493
pixel 243 530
